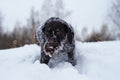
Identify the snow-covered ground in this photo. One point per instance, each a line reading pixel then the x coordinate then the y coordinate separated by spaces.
pixel 95 61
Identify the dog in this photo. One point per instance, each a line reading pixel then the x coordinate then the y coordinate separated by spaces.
pixel 56 38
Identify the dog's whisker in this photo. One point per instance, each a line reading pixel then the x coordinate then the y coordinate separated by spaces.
pixel 51 47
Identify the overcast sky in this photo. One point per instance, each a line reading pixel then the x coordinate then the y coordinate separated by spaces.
pixel 84 12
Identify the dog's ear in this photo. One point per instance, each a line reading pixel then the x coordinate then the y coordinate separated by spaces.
pixel 40 35
pixel 43 28
pixel 70 34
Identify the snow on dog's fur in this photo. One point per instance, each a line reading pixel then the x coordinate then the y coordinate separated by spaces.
pixel 56 38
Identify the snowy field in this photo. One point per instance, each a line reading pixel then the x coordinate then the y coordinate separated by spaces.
pixel 95 61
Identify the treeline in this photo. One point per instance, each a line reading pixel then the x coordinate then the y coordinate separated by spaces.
pixel 104 34
pixel 25 34
pixel 21 35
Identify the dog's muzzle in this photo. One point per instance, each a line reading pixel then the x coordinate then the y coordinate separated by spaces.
pixel 50 48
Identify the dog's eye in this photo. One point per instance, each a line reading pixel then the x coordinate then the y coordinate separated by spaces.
pixel 47 33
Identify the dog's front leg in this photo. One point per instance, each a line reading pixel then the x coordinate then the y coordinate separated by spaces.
pixel 44 58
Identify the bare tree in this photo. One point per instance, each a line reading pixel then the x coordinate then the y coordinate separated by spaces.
pixel 114 17
pixel 1 19
pixel 0 29
pixel 46 10
pixel 53 8
pixel 59 9
pixel 33 23
pixel 115 13
pixel 33 20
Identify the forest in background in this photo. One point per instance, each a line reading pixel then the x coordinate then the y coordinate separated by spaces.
pixel 25 34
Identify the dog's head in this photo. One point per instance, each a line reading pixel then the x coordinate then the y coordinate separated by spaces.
pixel 55 33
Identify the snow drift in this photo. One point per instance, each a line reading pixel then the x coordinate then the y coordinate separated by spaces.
pixel 95 61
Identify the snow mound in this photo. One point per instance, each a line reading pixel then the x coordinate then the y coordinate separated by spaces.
pixel 95 61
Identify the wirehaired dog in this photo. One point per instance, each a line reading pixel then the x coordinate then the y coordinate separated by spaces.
pixel 56 38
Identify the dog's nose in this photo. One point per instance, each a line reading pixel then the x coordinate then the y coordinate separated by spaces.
pixel 53 40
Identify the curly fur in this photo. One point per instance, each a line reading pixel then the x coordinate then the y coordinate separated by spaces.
pixel 56 38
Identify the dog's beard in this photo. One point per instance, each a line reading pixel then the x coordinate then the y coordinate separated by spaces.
pixel 58 55
pixel 52 51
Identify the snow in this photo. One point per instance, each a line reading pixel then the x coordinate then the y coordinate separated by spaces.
pixel 95 61
pixel 100 60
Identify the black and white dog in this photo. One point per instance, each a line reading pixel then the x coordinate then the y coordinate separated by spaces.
pixel 56 38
